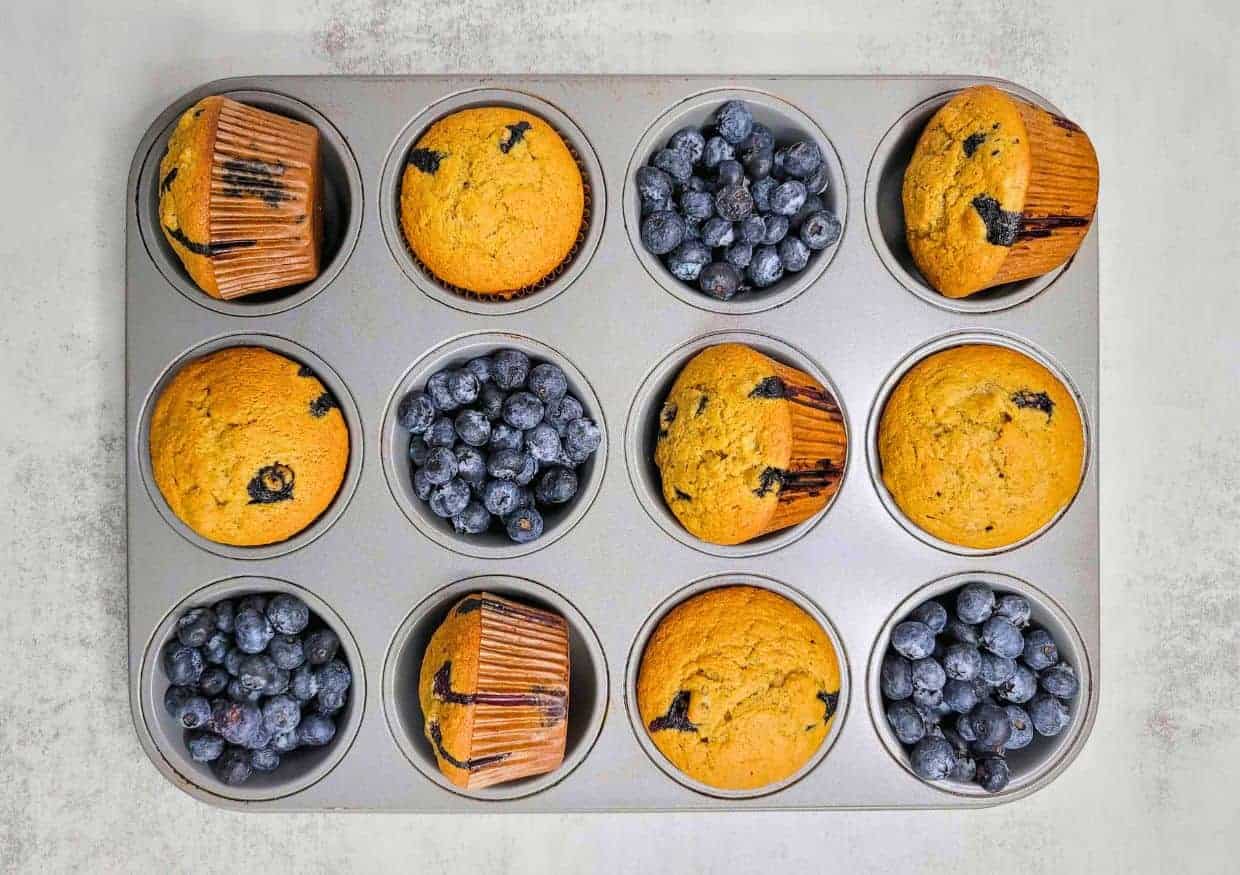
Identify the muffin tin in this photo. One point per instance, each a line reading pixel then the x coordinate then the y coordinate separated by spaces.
pixel 382 573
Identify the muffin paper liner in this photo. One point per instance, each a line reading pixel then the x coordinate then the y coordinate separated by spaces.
pixel 265 208
pixel 1061 198
pixel 521 702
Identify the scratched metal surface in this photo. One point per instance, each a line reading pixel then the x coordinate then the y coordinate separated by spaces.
pixel 614 323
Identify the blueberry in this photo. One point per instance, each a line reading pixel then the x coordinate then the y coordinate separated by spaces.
pixel 543 443
pixel 529 470
pixel 720 279
pixel 896 676
pixel 480 367
pixel 334 677
pixel 183 665
pixel 965 728
pixel 441 466
pixel 524 525
pixel 655 205
pixel 304 684
pixel 1019 688
pixel 818 181
pixel 962 661
pixel 718 231
pixel 975 603
pixel 906 722
pixel 1014 608
pixel 696 183
pixel 288 614
pixel 1050 716
pixel 653 184
pixel 418 451
pixel 928 700
pixel 195 712
pixel 225 613
pixel 820 230
pixel 216 647
pixel 960 696
pixel 236 721
pixel 472 427
pixel 523 410
pixel 662 231
pixel 254 601
pixel 449 499
pixel 758 163
pixel 717 150
pixel 965 769
pixel 693 230
pixel 990 724
pixel 233 766
pixel 264 759
pixel 1022 728
pixel 259 673
pixel 687 260
pixel 416 412
pixel 752 229
pixel 559 412
pixel 511 367
pixel 232 660
pixel 1040 651
pixel 471 465
pixel 281 713
pixel 813 204
pixel 284 742
pixel 729 173
pixel 793 254
pixel 697 205
pixel 556 486
pixel 801 158
pixel 733 202
pixel 1060 680
pixel 674 163
pixel 315 730
pixel 761 192
pixel 996 669
pixel 195 626
pixel 963 632
pixel 505 437
pixel 933 759
pixel 437 387
pixel 760 137
pixel 321 645
pixel 505 464
pixel 912 639
pixel 734 121
pixel 473 520
pixel 765 268
pixel 500 496
pixel 463 386
pixel 933 614
pixel 490 401
pixel 174 697
pixel 442 433
pixel 739 255
pixel 776 228
pixel 788 197
pixel 421 485
pixel 928 674
pixel 688 142
pixel 204 747
pixel 1002 638
pixel 214 681
pixel 993 774
pixel 581 439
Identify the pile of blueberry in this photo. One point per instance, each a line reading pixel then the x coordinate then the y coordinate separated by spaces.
pixel 252 681
pixel 496 442
pixel 729 209
pixel 962 689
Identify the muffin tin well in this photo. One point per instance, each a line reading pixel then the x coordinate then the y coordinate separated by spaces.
pixel 614 560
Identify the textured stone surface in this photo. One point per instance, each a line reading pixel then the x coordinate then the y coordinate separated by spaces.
pixel 1155 84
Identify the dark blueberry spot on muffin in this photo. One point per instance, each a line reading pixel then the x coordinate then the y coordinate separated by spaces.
pixel 1036 400
pixel 771 479
pixel 198 112
pixel 769 387
pixel 468 606
pixel 677 716
pixel 272 483
pixel 319 406
pixel 971 143
pixel 515 133
pixel 1001 225
pixel 701 405
pixel 830 701
pixel 167 180
pixel 304 371
pixel 426 160
pixel 995 126
pixel 469 765
pixel 246 177
pixel 990 528
pixel 1067 124
pixel 994 152
pixel 683 496
pixel 208 249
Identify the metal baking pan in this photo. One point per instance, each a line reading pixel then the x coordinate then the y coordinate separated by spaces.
pixel 383 572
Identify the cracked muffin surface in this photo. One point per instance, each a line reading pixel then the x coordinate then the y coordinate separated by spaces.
pixel 247 447
pixel 981 445
pixel 491 200
pixel 738 687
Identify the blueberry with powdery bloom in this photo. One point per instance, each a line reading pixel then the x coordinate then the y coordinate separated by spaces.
pixel 511 368
pixel 673 163
pixel 472 427
pixel 896 677
pixel 687 260
pixel 662 231
pixel 547 382
pixel 912 639
pixel 653 184
pixel 820 230
pixel 734 121
pixel 688 142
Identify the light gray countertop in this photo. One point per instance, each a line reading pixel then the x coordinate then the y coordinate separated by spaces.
pixel 1158 90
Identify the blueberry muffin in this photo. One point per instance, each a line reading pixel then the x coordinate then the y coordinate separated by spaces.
pixel 240 198
pixel 247 447
pixel 492 200
pixel 998 190
pixel 981 446
pixel 738 687
pixel 747 445
pixel 494 691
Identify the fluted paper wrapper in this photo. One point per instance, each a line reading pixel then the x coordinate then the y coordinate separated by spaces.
pixel 265 201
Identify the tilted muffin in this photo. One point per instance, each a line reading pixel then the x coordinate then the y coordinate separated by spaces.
pixel 747 445
pixel 492 200
pixel 494 691
pixel 738 687
pixel 998 190
pixel 239 198
pixel 247 446
pixel 981 445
